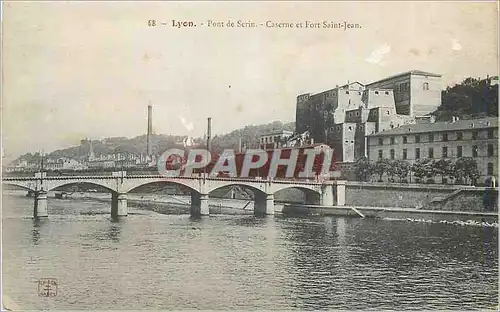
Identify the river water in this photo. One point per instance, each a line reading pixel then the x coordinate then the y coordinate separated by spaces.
pixel 168 260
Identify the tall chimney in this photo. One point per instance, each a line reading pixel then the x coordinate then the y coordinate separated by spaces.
pixel 150 129
pixel 239 145
pixel 209 134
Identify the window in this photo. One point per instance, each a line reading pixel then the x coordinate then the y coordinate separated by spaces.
pixel 265 140
pixel 425 86
pixel 431 137
pixel 349 114
pixel 490 169
pixel 392 141
pixel 361 127
pixel 405 140
pixel 459 151
pixel 474 135
pixel 347 92
pixel 386 92
pixel 405 153
pixel 357 113
pixel 350 128
pixel 431 152
pixel 380 141
pixel 445 137
pixel 380 154
pixel 392 154
pixel 376 92
pixel 459 136
pixel 417 139
pixel 474 151
pixel 490 150
pixel 338 128
pixel 444 152
pixel 490 134
pixel 417 153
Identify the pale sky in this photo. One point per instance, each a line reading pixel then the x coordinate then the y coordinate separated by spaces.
pixel 75 70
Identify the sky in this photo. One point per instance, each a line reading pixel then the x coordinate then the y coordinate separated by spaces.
pixel 72 70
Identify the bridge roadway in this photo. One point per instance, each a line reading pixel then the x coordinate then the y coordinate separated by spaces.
pixel 326 193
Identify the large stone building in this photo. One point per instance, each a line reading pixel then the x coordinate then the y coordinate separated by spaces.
pixel 477 138
pixel 343 117
pixel 416 93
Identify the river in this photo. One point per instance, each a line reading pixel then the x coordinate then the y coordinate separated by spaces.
pixel 168 260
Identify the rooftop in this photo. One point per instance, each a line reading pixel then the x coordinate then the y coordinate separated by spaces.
pixel 411 72
pixel 483 123
pixel 276 133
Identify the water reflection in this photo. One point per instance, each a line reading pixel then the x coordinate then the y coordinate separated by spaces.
pixel 113 232
pixel 35 232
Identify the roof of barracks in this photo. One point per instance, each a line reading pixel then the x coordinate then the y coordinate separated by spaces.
pixel 470 124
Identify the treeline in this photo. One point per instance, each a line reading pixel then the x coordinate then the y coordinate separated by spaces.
pixel 461 171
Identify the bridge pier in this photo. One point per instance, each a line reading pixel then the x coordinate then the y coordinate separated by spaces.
pixel 327 195
pixel 340 193
pixel 40 208
pixel 119 205
pixel 199 204
pixel 264 204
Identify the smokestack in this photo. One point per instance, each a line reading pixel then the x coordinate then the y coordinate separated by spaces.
pixel 239 145
pixel 150 129
pixel 209 134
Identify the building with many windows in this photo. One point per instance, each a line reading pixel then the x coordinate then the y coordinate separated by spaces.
pixel 477 138
pixel 274 139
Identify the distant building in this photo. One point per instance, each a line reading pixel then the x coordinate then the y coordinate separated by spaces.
pixel 274 139
pixel 477 138
pixel 63 163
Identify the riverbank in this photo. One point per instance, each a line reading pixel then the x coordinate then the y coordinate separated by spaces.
pixel 461 217
pixel 163 203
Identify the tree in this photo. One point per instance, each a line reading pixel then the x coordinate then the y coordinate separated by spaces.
pixel 423 168
pixel 363 169
pixel 466 168
pixel 471 98
pixel 443 168
pixel 400 168
pixel 382 166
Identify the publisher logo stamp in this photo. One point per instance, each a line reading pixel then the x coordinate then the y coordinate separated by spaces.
pixel 47 287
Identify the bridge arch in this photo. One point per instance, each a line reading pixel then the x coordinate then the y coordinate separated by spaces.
pixel 132 187
pixel 303 187
pixel 253 188
pixel 24 185
pixel 52 185
pixel 307 194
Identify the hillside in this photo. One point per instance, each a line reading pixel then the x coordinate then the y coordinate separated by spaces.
pixel 161 142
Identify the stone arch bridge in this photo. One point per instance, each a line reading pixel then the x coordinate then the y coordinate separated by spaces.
pixel 327 193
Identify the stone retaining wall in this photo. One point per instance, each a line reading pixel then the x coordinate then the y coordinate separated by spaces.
pixel 420 196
